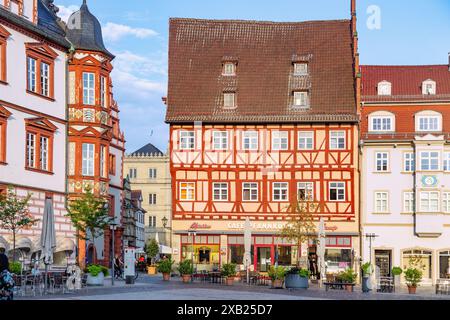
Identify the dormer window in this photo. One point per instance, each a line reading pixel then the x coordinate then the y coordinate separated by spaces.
pixel 428 87
pixel 384 88
pixel 428 121
pixel 229 100
pixel 300 69
pixel 300 99
pixel 229 69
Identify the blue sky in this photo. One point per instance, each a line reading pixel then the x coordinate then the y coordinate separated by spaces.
pixel 136 31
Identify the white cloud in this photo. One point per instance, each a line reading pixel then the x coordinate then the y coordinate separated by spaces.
pixel 114 32
pixel 65 12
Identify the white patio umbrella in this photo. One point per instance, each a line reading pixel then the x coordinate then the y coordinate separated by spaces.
pixel 321 249
pixel 48 237
pixel 247 246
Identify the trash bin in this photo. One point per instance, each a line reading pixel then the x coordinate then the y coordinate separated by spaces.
pixel 129 280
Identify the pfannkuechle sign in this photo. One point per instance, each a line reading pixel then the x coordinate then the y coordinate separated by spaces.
pixel 197 226
pixel 267 226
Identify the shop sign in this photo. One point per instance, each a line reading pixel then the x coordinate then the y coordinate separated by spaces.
pixel 333 228
pixel 197 226
pixel 257 225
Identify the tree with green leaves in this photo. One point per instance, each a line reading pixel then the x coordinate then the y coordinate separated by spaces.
pixel 301 228
pixel 152 249
pixel 15 214
pixel 89 215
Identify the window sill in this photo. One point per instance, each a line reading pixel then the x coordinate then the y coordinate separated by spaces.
pixel 39 171
pixel 381 213
pixel 407 172
pixel 40 95
pixel 382 172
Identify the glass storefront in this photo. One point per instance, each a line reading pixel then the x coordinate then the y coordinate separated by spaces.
pixel 444 264
pixel 337 260
pixel 204 251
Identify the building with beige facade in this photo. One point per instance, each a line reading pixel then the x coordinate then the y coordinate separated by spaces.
pixel 148 171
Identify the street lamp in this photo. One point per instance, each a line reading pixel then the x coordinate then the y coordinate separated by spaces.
pixel 113 226
pixel 164 222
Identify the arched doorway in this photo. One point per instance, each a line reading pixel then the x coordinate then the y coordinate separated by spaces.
pixel 91 254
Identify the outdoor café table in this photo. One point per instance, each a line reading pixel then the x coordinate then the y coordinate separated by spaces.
pixel 386 285
pixel 216 277
pixel 337 285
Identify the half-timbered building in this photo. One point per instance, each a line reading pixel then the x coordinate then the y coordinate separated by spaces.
pixel 262 115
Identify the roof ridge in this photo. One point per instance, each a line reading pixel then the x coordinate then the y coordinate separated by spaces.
pixel 405 65
pixel 255 21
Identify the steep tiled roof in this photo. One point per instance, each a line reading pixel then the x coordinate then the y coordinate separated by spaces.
pixel 406 82
pixel 264 81
pixel 148 149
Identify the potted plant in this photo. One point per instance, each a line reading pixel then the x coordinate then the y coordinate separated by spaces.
pixel 348 278
pixel 277 275
pixel 15 267
pixel 413 277
pixel 229 271
pixel 96 274
pixel 186 269
pixel 366 271
pixel 165 267
pixel 297 278
pixel 152 250
pixel 396 272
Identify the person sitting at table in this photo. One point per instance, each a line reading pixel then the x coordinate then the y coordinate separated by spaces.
pixel 35 271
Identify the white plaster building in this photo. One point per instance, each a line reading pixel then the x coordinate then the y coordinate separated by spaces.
pixel 406 168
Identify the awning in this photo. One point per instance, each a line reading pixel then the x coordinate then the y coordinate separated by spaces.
pixel 165 249
pixel 23 243
pixel 65 245
pixel 4 244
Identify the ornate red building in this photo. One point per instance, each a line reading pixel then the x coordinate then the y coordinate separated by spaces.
pixel 262 114
pixel 96 144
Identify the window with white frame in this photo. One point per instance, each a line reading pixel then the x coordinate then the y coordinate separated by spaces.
pixel 133 173
pixel 250 191
pixel 88 88
pixel 384 88
pixel 103 168
pixel 220 140
pixel 250 140
pixel 382 161
pixel 88 159
pixel 152 173
pixel 220 191
pixel 429 87
pixel 306 140
pixel 187 191
pixel 431 123
pixel 280 140
pixel 409 203
pixel 337 140
pixel 409 162
pixel 229 99
pixel 44 145
pixel 187 140
pixel 152 222
pixel 429 201
pixel 300 69
pixel 337 191
pixel 152 198
pixel 31 149
pixel 381 202
pixel 446 202
pixel 382 123
pixel 103 91
pixel 300 98
pixel 429 160
pixel 229 69
pixel 45 79
pixel 305 191
pixel 280 191
pixel 447 161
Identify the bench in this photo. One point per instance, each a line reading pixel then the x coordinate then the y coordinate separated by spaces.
pixel 443 286
pixel 337 285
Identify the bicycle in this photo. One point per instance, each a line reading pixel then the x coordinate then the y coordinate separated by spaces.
pixel 120 275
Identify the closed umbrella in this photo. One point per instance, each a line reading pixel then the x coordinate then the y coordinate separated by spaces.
pixel 48 237
pixel 247 246
pixel 321 249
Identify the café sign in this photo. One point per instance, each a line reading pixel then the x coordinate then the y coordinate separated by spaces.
pixel 197 226
pixel 267 226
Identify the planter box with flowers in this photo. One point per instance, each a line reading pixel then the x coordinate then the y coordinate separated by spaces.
pixel 348 278
pixel 186 269
pixel 96 275
pixel 165 267
pixel 277 275
pixel 366 269
pixel 297 279
pixel 228 271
